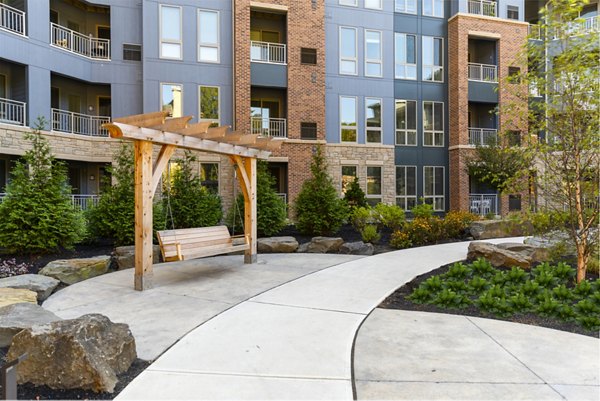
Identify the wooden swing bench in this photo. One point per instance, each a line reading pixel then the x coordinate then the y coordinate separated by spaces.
pixel 192 243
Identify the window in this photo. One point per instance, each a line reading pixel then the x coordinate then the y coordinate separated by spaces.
pixel 210 104
pixel 171 96
pixel 406 56
pixel 351 3
pixel 170 32
pixel 433 8
pixel 3 86
pixel 514 138
pixel 406 122
pixel 373 119
pixel 209 176
pixel 512 12
pixel 406 6
pixel 348 176
pixel 308 130
pixel 308 56
pixel 208 36
pixel 348 118
pixel 373 185
pixel 373 64
pixel 348 59
pixel 376 4
pixel 406 187
pixel 433 59
pixel 132 52
pixel 433 187
pixel 514 75
pixel 433 124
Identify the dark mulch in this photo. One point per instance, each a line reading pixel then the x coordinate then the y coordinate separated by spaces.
pixel 398 301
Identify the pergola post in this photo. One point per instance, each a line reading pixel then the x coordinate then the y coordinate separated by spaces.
pixel 250 221
pixel 143 215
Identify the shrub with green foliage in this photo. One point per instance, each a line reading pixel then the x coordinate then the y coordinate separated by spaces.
pixel 355 196
pixel 319 210
pixel 37 215
pixel 424 210
pixel 389 216
pixel 456 223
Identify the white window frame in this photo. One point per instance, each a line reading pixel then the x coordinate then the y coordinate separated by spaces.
pixel 380 128
pixel 218 121
pixel 206 44
pixel 517 10
pixel 433 132
pixel 342 176
pixel 160 91
pixel 375 8
pixel 403 62
pixel 405 130
pixel 434 197
pixel 349 3
pixel 342 58
pixel 374 61
pixel 380 194
pixel 433 67
pixel 406 197
pixel 433 14
pixel 169 41
pixel 404 9
pixel 355 128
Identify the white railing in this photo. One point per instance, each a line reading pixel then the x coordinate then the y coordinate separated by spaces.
pixel 81 124
pixel 483 72
pixel 12 111
pixel 283 197
pixel 483 204
pixel 274 127
pixel 579 27
pixel 482 7
pixel 534 89
pixel 266 52
pixel 75 42
pixel 83 202
pixel 12 19
pixel 482 136
pixel 535 32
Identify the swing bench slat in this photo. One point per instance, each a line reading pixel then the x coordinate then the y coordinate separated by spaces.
pixel 192 243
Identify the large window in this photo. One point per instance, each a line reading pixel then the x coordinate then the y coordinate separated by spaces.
pixel 209 176
pixel 406 122
pixel 210 104
pixel 348 118
pixel 374 185
pixel 406 56
pixel 433 187
pixel 433 124
pixel 433 59
pixel 376 4
pixel 348 176
pixel 406 186
pixel 373 64
pixel 171 96
pixel 406 6
pixel 348 51
pixel 170 32
pixel 208 36
pixel 373 119
pixel 433 8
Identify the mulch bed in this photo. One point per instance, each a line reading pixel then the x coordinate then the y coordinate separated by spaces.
pixel 398 301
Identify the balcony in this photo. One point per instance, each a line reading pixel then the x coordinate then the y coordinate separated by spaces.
pixel 482 7
pixel 483 204
pixel 535 32
pixel 82 202
pixel 482 136
pixel 266 52
pixel 274 127
pixel 80 124
pixel 77 43
pixel 12 112
pixel 12 19
pixel 483 72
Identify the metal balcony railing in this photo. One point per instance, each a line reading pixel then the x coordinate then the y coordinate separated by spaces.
pixel 482 136
pixel 266 52
pixel 12 111
pixel 274 127
pixel 12 19
pixel 75 42
pixel 581 26
pixel 482 7
pixel 483 72
pixel 83 202
pixel 483 204
pixel 535 32
pixel 80 124
pixel 283 197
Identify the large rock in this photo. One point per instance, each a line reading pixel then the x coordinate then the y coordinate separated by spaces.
pixel 487 229
pixel 71 271
pixel 84 353
pixel 277 245
pixel 357 248
pixel 43 285
pixel 321 245
pixel 125 256
pixel 9 296
pixel 16 317
pixel 534 253
pixel 497 256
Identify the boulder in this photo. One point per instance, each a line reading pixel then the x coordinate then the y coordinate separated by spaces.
pixel 125 256
pixel 277 245
pixel 321 245
pixel 43 285
pixel 357 248
pixel 497 256
pixel 534 253
pixel 486 229
pixel 71 271
pixel 84 353
pixel 9 296
pixel 16 317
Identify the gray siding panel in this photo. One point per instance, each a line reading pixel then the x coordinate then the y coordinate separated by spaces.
pixel 271 75
pixel 483 92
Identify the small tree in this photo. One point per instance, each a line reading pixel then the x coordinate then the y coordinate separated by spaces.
pixel 355 196
pixel 37 214
pixel 319 210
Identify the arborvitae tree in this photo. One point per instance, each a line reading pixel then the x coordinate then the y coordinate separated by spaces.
pixel 355 196
pixel 37 214
pixel 319 210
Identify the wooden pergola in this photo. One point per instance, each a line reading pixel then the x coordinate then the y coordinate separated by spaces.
pixel 146 130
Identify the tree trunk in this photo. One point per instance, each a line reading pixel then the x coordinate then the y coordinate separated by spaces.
pixel 582 259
